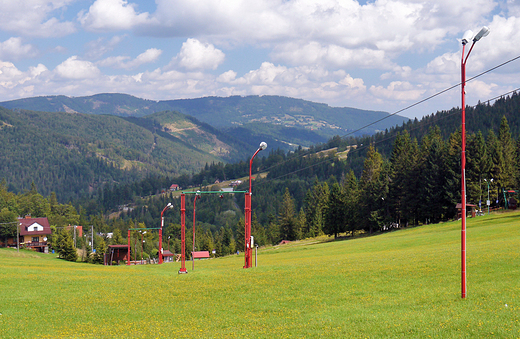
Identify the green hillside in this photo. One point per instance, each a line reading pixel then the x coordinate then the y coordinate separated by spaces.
pixel 403 284
pixel 313 120
pixel 72 154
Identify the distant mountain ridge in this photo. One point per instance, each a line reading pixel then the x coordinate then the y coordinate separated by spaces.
pixel 76 153
pixel 226 113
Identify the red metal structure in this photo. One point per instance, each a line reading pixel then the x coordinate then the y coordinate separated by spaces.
pixel 183 234
pixel 183 221
pixel 465 39
pixel 248 241
pixel 193 247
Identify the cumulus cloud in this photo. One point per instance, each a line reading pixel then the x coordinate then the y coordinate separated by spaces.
pixel 75 69
pixel 124 62
pixel 13 49
pixel 109 15
pixel 398 90
pixel 97 48
pixel 393 26
pixel 15 83
pixel 33 18
pixel 197 55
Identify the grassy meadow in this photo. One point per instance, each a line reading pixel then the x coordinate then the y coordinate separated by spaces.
pixel 402 284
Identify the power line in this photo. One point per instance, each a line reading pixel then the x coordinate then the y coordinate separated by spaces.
pixel 383 140
pixel 410 106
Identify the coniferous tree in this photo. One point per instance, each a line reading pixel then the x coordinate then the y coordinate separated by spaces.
pixel 371 192
pixel 315 204
pixel 287 219
pixel 335 212
pixel 403 180
pixel 508 154
pixel 432 179
pixel 478 166
pixel 351 194
pixel 301 222
pixel 66 249
pixel 497 164
pixel 452 174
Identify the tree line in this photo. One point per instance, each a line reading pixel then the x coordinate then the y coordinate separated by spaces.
pixel 395 178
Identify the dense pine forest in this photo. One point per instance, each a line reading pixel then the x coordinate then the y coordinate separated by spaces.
pixel 409 175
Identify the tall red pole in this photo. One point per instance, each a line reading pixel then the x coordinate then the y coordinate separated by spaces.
pixel 160 241
pixel 463 176
pixel 465 39
pixel 183 235
pixel 247 232
pixel 248 251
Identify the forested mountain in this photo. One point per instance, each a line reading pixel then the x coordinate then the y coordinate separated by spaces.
pixel 312 122
pixel 72 154
pixel 408 175
pixel 351 185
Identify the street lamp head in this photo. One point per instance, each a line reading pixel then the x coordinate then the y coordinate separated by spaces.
pixel 467 37
pixel 263 145
pixel 483 32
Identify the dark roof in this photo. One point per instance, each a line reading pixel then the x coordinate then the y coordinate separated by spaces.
pixel 25 223
pixel 117 246
pixel 167 253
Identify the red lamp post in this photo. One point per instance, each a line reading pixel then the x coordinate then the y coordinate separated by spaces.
pixel 160 232
pixel 465 39
pixel 248 243
pixel 183 234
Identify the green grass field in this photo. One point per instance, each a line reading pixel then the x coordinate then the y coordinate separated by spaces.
pixel 396 285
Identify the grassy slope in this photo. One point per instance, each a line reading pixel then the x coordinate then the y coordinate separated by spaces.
pixel 400 284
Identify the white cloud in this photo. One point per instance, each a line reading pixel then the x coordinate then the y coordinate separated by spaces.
pixel 108 15
pixel 227 77
pixel 32 18
pixel 149 56
pixel 393 26
pixel 197 55
pixel 13 49
pixel 398 90
pixel 97 48
pixel 75 69
pixel 331 55
pixel 15 83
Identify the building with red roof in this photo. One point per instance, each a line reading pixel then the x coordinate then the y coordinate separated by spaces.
pixel 34 233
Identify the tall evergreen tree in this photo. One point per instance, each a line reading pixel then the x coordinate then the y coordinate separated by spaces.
pixel 351 194
pixel 335 212
pixel 497 164
pixel 315 204
pixel 478 166
pixel 372 192
pixel 66 249
pixel 403 179
pixel 508 153
pixel 432 188
pixel 287 219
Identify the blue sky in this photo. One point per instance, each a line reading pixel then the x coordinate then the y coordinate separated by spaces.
pixel 376 55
